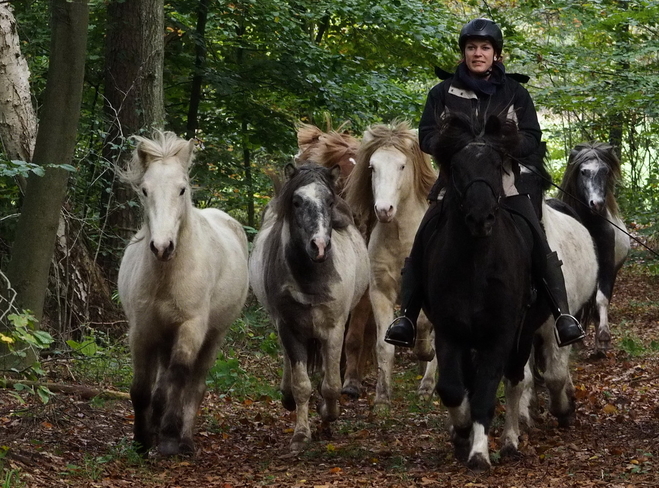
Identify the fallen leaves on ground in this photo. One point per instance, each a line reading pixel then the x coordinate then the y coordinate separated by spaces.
pixel 245 443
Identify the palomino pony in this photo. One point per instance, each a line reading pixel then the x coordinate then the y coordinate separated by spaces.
pixel 592 172
pixel 387 192
pixel 478 287
pixel 308 268
pixel 182 281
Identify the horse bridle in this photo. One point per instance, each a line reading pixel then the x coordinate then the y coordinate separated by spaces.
pixel 461 193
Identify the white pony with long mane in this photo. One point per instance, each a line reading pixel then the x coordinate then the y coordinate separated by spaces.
pixel 182 281
pixel 387 191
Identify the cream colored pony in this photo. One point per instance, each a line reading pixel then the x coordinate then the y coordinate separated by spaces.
pixel 387 192
pixel 183 280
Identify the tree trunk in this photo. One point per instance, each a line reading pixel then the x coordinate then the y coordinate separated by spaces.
pixel 134 103
pixel 78 292
pixel 55 144
pixel 18 120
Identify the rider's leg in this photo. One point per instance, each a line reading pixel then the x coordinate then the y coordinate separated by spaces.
pixel 547 267
pixel 402 331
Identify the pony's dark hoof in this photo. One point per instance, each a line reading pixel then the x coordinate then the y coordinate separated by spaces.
pixel 168 447
pixel 141 449
pixel 299 443
pixel 597 355
pixel 478 463
pixel 461 443
pixel 565 421
pixel 510 452
pixel 461 449
pixel 186 447
pixel 352 392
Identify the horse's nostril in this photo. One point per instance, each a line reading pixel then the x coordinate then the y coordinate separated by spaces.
pixel 152 246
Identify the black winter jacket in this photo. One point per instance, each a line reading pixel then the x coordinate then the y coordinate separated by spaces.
pixel 509 97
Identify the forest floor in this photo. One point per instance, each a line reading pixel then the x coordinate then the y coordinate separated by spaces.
pixel 245 443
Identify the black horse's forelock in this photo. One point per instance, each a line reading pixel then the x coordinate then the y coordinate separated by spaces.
pixel 456 130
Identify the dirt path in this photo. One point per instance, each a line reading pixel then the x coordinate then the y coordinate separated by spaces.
pixel 615 442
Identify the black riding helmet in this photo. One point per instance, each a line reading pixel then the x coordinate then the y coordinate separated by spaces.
pixel 484 28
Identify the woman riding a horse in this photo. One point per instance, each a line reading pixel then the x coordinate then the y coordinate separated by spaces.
pixel 480 87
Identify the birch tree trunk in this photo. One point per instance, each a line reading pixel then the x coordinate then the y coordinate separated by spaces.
pixel 18 120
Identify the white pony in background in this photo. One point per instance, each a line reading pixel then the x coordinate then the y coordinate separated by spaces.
pixel 575 247
pixel 387 191
pixel 182 281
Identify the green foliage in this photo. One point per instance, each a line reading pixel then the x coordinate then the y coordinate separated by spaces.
pixel 228 379
pixel 10 476
pixel 93 467
pixel 20 346
pixel 100 359
pixel 636 347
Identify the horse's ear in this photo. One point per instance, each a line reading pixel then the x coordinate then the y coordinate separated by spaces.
pixel 143 156
pixel 573 155
pixel 335 173
pixel 185 153
pixel 289 170
pixel 367 137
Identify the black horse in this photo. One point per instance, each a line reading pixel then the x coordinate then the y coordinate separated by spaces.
pixel 477 281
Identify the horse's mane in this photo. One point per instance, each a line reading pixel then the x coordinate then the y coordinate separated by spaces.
pixel 163 145
pixel 400 136
pixel 456 130
pixel 326 148
pixel 581 152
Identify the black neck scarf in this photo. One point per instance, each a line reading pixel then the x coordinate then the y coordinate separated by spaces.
pixel 481 86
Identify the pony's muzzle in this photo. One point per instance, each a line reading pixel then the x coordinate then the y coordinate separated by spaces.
pixel 596 206
pixel 320 248
pixel 385 214
pixel 162 252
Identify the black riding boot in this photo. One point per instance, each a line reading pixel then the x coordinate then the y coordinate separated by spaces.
pixel 402 331
pixel 568 330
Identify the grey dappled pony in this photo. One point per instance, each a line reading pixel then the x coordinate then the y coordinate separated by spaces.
pixel 308 268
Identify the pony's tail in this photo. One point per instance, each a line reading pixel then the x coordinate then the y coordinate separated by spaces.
pixel 314 357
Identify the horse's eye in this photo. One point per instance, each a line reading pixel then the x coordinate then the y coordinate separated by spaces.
pixel 402 167
pixel 182 191
pixel 144 192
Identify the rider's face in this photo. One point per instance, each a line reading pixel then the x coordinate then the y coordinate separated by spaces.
pixel 479 56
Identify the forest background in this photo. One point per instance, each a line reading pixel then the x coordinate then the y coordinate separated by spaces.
pixel 238 76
